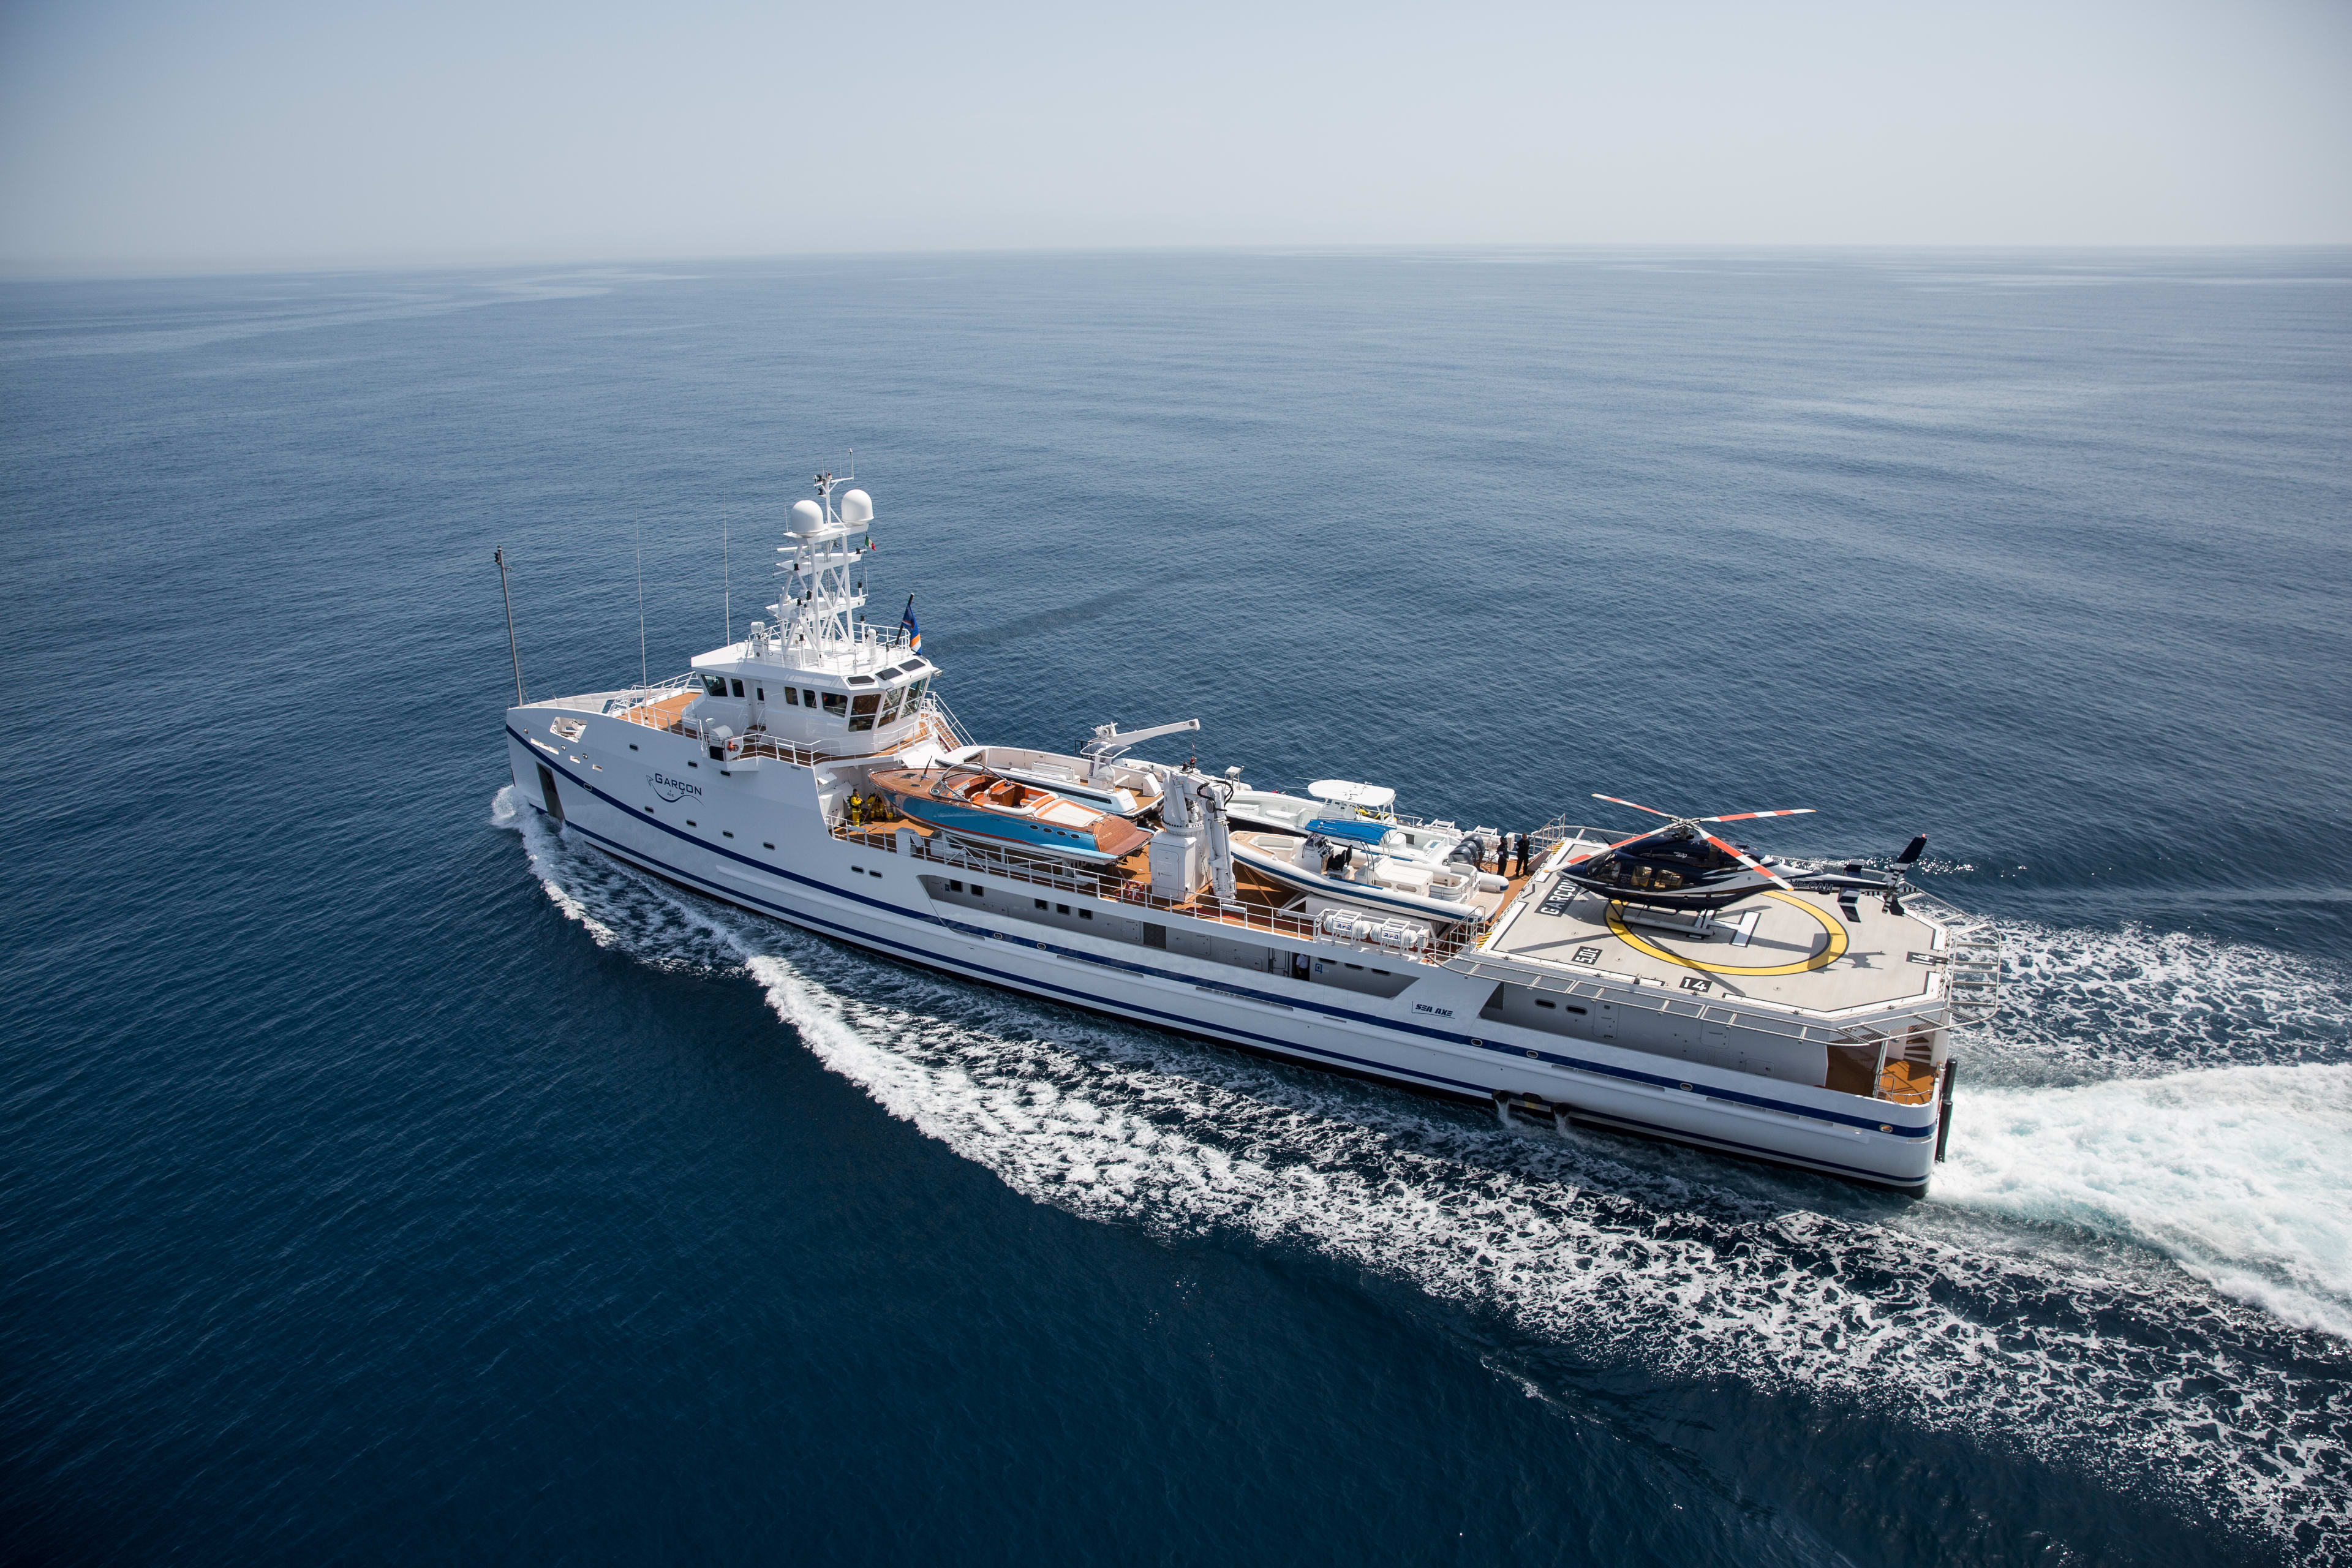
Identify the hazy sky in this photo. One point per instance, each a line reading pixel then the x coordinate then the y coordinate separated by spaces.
pixel 251 133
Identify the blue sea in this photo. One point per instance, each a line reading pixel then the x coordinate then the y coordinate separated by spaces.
pixel 389 1177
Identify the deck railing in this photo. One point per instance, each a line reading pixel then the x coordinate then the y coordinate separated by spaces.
pixel 1060 876
pixel 641 705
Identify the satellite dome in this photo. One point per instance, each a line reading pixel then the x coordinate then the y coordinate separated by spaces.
pixel 857 508
pixel 807 518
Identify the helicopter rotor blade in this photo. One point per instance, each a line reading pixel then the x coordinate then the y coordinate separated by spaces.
pixel 1744 816
pixel 1911 851
pixel 1621 843
pixel 1637 806
pixel 1753 863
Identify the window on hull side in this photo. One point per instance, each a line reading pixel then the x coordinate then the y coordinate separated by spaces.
pixel 792 696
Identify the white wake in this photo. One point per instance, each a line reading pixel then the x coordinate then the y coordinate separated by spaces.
pixel 2239 1173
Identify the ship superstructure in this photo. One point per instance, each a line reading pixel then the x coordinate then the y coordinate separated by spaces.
pixel 810 771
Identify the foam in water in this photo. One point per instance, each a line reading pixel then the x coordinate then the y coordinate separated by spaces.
pixel 2020 1305
pixel 2239 1172
pixel 2088 1005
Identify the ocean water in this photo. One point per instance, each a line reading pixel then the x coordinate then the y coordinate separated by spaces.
pixel 389 1177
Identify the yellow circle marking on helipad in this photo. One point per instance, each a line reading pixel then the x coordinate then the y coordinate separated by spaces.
pixel 1821 960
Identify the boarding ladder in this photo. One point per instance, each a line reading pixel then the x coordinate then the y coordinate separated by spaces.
pixel 1974 975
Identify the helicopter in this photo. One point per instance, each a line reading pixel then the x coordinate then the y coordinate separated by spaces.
pixel 1684 867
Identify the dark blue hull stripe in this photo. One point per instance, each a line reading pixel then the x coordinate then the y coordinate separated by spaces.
pixel 1365 1020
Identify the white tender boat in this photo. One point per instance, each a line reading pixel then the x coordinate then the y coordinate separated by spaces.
pixel 1327 927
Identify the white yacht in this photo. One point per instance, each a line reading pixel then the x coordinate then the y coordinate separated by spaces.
pixel 812 772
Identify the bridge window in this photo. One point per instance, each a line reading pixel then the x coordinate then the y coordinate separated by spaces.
pixel 837 703
pixel 861 710
pixel 738 685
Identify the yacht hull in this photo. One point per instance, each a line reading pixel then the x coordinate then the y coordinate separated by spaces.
pixel 761 839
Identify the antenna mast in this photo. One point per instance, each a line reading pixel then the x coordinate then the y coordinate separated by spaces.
pixel 643 680
pixel 726 586
pixel 500 555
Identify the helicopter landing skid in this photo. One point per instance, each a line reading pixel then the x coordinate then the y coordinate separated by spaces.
pixel 1696 925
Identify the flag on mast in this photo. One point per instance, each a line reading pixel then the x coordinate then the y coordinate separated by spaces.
pixel 906 624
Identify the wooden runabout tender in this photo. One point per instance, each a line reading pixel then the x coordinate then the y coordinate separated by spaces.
pixel 972 803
